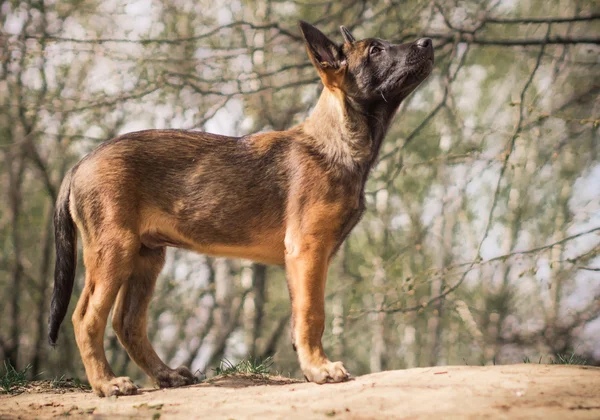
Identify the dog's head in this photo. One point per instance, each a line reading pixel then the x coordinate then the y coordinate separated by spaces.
pixel 370 69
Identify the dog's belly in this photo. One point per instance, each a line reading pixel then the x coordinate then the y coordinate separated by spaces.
pixel 267 253
pixel 265 246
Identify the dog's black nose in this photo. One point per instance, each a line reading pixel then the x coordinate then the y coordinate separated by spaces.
pixel 424 42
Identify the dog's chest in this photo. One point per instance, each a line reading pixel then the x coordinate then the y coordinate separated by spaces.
pixel 354 211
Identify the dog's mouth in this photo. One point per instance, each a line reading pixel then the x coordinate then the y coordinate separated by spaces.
pixel 421 71
pixel 414 76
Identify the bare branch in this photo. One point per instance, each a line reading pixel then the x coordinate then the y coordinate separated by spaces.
pixel 595 16
pixel 461 36
pixel 451 289
pixel 170 41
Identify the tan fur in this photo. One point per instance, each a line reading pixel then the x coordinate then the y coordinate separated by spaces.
pixel 288 198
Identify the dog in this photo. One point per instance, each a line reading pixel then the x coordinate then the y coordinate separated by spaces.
pixel 288 198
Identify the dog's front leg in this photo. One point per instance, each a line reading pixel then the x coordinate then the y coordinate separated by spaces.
pixel 306 263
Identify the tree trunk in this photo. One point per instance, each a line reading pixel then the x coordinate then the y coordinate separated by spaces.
pixel 11 350
pixel 44 277
pixel 259 276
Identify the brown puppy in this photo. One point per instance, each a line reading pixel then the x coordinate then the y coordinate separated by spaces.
pixel 288 198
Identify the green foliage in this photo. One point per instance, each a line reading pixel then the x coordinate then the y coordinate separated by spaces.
pixel 245 367
pixel 568 359
pixel 12 379
pixel 526 360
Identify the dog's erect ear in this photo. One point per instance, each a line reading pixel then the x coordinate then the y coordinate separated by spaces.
pixel 324 53
pixel 348 38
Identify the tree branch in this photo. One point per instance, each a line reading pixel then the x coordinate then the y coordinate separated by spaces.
pixel 594 16
pixel 474 39
pixel 478 263
pixel 169 41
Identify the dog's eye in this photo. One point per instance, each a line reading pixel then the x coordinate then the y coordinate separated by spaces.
pixel 375 49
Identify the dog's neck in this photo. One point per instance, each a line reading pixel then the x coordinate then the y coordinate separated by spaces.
pixel 348 132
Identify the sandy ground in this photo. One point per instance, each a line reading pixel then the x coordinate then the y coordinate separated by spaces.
pixel 528 391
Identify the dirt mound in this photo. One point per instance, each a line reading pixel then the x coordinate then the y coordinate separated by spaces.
pixel 525 391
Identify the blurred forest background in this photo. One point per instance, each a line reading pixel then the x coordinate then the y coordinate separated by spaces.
pixel 482 237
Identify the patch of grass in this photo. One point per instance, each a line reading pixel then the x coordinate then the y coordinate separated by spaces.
pixel 11 379
pixel 568 359
pixel 60 382
pixel 68 383
pixel 247 367
pixel 526 359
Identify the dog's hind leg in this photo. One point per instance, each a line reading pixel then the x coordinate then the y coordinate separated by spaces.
pixel 130 319
pixel 108 265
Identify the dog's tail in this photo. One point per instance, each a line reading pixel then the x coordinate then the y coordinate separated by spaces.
pixel 65 237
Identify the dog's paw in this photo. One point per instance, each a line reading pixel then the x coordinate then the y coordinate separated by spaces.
pixel 327 372
pixel 116 386
pixel 174 378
